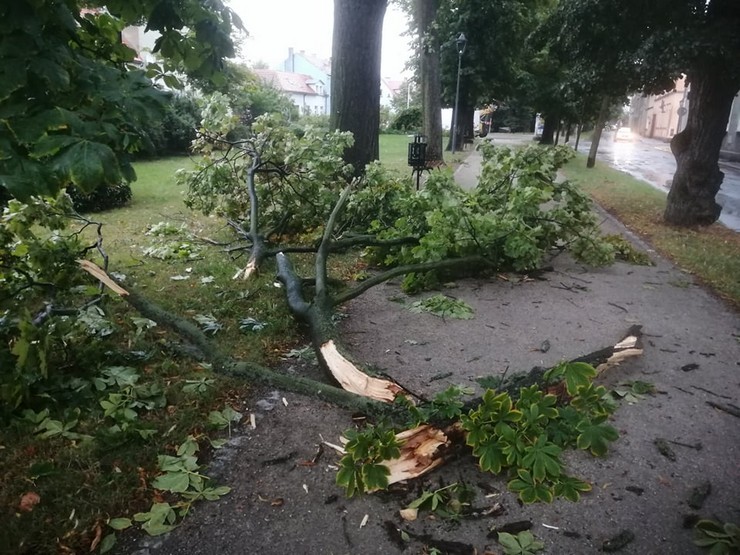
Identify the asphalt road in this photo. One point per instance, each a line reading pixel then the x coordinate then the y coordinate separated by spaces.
pixel 651 161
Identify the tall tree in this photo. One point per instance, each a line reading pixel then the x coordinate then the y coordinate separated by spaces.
pixel 618 45
pixel 425 12
pixel 496 33
pixel 355 83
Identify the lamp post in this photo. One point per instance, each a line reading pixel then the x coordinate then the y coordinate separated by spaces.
pixel 460 41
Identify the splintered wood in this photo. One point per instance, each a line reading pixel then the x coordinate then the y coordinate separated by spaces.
pixel 354 380
pixel 247 272
pixel 98 273
pixel 630 346
pixel 420 453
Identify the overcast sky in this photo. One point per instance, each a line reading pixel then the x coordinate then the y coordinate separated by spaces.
pixel 276 25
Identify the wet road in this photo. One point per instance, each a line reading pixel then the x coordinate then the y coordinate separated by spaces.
pixel 651 161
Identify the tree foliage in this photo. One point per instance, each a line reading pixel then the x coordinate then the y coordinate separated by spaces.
pixel 615 47
pixel 298 180
pixel 73 105
pixel 502 220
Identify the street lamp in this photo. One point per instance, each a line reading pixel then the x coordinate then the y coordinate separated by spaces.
pixel 461 42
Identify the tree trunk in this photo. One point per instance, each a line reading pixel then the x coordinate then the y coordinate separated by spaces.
pixel 696 149
pixel 464 123
pixel 355 83
pixel 431 88
pixel 591 162
pixel 548 130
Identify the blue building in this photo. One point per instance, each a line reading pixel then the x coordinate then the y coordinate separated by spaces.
pixel 317 69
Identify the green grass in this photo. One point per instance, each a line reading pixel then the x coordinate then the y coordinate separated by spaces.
pixel 82 484
pixel 712 253
pixel 394 153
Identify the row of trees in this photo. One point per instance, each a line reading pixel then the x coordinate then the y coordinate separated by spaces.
pixel 569 60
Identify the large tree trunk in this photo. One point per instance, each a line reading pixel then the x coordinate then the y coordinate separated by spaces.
pixel 548 130
pixel 603 111
pixel 696 148
pixel 355 83
pixel 431 88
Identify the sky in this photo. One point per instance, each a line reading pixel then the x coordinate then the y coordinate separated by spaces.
pixel 276 25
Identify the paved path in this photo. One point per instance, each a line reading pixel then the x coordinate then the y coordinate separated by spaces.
pixel 649 160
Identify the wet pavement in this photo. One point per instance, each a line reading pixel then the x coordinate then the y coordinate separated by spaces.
pixel 649 160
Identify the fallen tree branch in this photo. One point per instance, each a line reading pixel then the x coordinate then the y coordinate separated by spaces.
pixel 729 409
pixel 318 316
pixel 467 261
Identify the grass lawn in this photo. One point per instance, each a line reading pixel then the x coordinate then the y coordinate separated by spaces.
pixel 394 153
pixel 90 472
pixel 711 253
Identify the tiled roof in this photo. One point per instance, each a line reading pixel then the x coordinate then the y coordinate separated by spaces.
pixel 286 82
pixel 394 85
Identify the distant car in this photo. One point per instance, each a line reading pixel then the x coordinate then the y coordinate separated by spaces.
pixel 623 134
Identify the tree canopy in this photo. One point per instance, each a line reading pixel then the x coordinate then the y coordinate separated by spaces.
pixel 74 100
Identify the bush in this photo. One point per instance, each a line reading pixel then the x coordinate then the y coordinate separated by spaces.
pixel 105 197
pixel 174 133
pixel 408 120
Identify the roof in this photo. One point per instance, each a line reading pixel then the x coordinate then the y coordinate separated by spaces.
pixel 320 63
pixel 393 85
pixel 287 82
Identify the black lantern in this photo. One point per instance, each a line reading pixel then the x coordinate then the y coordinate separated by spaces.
pixel 418 156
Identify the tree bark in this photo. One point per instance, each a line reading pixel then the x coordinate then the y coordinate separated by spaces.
pixel 691 200
pixel 465 125
pixel 355 83
pixel 599 127
pixel 431 87
pixel 548 131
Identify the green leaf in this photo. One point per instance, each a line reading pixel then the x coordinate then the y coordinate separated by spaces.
pixel 595 437
pixel 444 306
pixel 119 523
pixel 542 459
pixel 570 488
pixel 375 476
pixel 87 164
pixel 509 542
pixel 577 374
pixel 349 476
pixel 176 482
pixel 157 528
pixel 107 543
pixel 490 455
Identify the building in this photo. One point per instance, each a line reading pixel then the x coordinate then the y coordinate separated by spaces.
pixel 662 116
pixel 140 41
pixel 318 69
pixel 310 95
pixel 390 88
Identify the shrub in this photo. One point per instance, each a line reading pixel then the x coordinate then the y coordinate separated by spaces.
pixel 105 197
pixel 408 120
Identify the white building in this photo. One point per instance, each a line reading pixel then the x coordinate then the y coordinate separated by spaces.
pixel 309 94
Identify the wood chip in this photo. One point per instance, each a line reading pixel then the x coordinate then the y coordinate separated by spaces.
pixel 409 514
